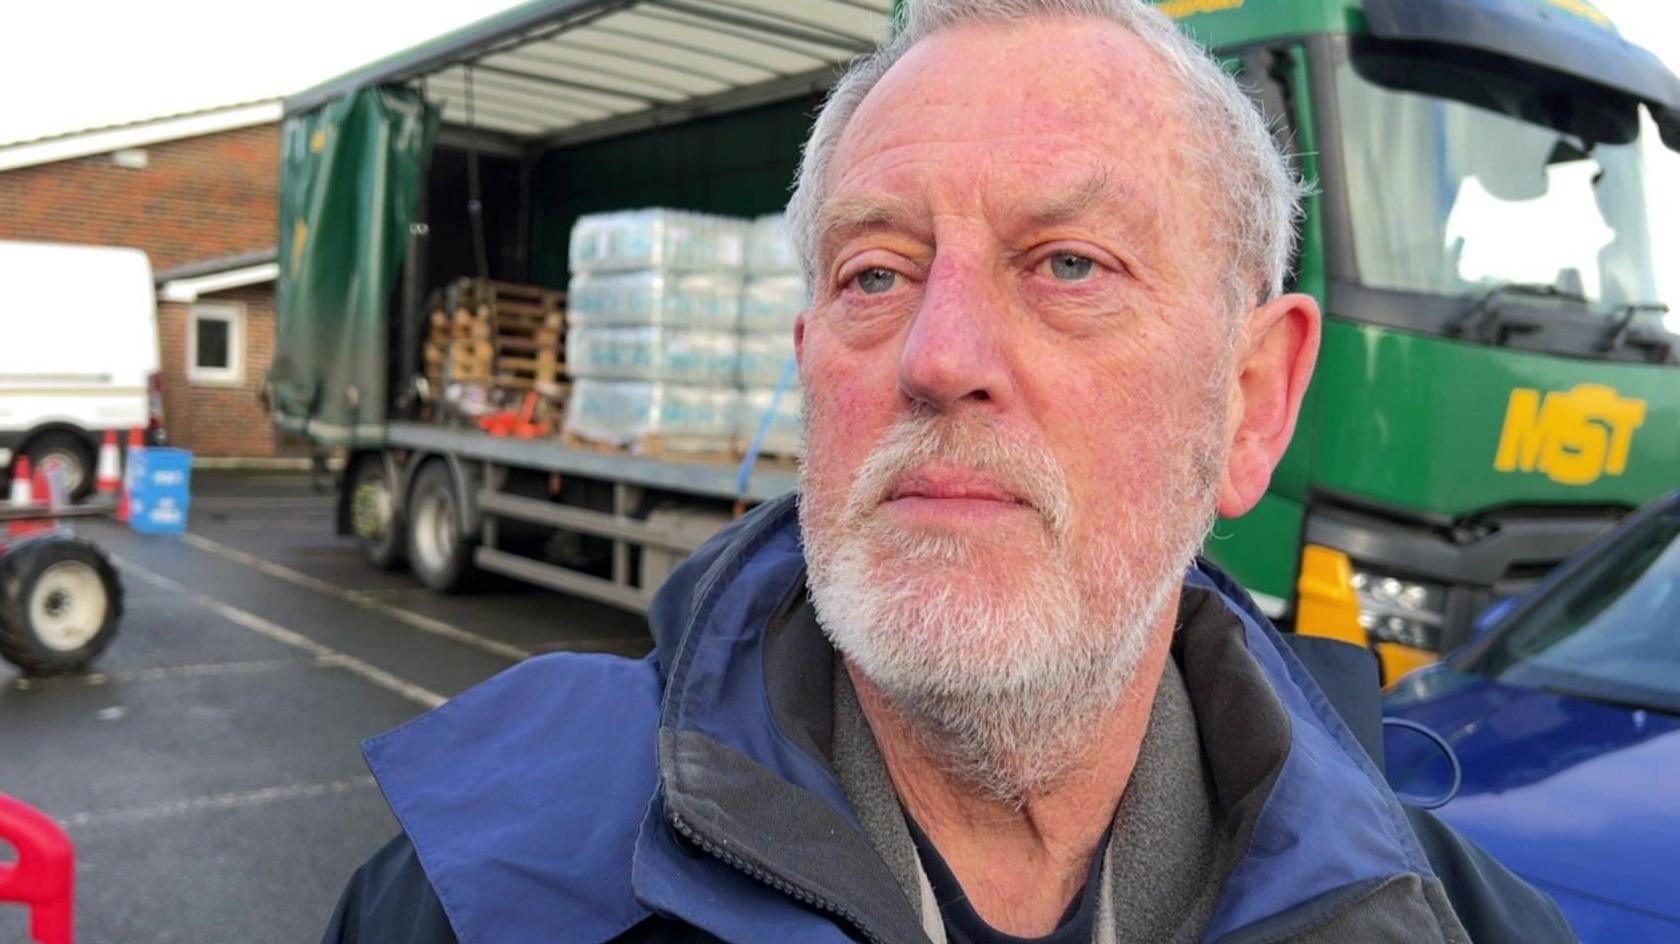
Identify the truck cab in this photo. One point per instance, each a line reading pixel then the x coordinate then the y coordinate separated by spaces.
pixel 1500 378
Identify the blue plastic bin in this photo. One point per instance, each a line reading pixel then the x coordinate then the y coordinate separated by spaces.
pixel 160 481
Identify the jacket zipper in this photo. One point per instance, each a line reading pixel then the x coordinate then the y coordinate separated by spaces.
pixel 766 877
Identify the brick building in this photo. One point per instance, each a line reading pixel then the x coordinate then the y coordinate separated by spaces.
pixel 199 194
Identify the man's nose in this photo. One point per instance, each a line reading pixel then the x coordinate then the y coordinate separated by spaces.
pixel 955 351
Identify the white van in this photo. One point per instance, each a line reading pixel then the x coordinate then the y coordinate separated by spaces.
pixel 78 354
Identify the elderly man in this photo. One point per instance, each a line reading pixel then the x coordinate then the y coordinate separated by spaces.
pixel 975 687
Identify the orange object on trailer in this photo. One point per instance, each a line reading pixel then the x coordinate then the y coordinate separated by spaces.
pixel 521 425
pixel 43 877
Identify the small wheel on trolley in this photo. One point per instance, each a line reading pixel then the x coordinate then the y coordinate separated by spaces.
pixel 60 604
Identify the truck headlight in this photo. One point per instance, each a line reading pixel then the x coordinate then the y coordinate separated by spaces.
pixel 1400 610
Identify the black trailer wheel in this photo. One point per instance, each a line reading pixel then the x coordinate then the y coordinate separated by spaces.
pixel 58 449
pixel 380 533
pixel 438 552
pixel 60 604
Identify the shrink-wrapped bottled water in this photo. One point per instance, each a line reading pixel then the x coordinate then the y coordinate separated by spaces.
pixel 657 239
pixel 656 297
pixel 770 303
pixel 763 358
pixel 785 436
pixel 653 353
pixel 769 248
pixel 680 417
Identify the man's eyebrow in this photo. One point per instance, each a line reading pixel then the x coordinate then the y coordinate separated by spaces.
pixel 1097 190
pixel 845 215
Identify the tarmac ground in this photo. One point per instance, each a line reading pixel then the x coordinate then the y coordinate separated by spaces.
pixel 207 767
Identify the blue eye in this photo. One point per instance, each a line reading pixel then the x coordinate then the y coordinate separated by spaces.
pixel 1070 267
pixel 875 281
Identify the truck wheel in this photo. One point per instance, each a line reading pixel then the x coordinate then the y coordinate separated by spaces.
pixel 67 451
pixel 379 530
pixel 60 603
pixel 438 553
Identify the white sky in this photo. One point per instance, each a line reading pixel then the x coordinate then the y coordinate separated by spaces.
pixel 71 66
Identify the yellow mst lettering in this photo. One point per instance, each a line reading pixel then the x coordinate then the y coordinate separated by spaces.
pixel 1572 436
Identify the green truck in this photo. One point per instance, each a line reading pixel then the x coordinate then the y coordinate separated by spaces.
pixel 1499 380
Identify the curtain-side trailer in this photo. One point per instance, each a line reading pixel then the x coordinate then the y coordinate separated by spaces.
pixel 473 155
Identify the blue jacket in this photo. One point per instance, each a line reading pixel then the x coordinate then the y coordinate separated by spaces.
pixel 688 795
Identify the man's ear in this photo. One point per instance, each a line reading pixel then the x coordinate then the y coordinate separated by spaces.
pixel 799 338
pixel 1275 358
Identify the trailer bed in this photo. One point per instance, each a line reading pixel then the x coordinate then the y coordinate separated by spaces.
pixel 701 478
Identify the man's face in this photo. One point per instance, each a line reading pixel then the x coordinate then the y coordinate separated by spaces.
pixel 1017 374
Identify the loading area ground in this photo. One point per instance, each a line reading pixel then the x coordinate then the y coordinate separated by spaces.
pixel 208 767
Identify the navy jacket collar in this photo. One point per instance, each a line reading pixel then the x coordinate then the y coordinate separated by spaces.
pixel 583 792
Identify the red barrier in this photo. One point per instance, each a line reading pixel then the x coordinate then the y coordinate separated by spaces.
pixel 44 875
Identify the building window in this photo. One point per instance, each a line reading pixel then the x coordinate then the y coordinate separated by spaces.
pixel 216 344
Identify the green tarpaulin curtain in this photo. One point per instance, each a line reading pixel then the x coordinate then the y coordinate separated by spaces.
pixel 350 179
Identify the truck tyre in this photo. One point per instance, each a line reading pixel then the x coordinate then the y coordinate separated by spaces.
pixel 380 532
pixel 60 604
pixel 438 552
pixel 67 451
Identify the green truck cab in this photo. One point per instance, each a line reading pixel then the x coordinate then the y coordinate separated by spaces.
pixel 1499 380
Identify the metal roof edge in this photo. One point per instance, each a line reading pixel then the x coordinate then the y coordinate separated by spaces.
pixel 192 270
pixel 443 49
pixel 190 290
pixel 64 147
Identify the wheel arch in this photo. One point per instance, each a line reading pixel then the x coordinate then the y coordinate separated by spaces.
pixel 86 436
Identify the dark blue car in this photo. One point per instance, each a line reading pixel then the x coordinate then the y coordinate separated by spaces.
pixel 1565 715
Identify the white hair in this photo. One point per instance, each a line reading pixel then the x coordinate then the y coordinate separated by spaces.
pixel 1255 197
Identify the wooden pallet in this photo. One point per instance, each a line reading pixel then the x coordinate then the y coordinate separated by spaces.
pixel 500 335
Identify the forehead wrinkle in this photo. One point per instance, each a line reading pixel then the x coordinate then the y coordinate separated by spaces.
pixel 1075 201
pixel 1097 202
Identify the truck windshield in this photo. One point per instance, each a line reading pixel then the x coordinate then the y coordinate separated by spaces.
pixel 1608 631
pixel 1453 199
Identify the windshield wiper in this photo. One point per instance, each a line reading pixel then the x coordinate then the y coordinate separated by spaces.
pixel 1617 332
pixel 1486 322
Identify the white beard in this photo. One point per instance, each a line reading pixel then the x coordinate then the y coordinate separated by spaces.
pixel 1003 681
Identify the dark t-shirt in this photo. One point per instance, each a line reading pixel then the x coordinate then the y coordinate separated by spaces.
pixel 963 925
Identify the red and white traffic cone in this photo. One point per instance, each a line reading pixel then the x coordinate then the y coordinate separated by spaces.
pixel 109 477
pixel 22 492
pixel 27 491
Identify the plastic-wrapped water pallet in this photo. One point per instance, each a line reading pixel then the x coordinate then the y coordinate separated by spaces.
pixel 648 353
pixel 654 417
pixel 768 247
pixel 656 297
pixel 764 357
pixel 770 303
pixel 786 436
pixel 657 238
